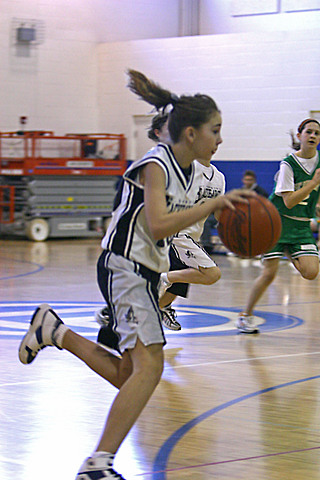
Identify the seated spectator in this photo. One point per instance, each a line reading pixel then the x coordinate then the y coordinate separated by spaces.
pixel 249 181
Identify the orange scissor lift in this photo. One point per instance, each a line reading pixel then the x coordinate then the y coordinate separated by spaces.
pixel 58 186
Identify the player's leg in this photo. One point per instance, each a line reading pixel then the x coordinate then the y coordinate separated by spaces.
pixel 47 329
pixel 305 258
pixel 113 369
pixel 200 268
pixel 166 299
pixel 131 399
pixel 133 395
pixel 269 271
pixel 136 299
pixel 245 323
pixel 307 266
pixel 189 263
pixel 168 292
pixel 136 317
pixel 199 276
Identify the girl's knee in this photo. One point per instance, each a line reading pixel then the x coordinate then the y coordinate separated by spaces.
pixel 151 363
pixel 153 370
pixel 270 269
pixel 211 275
pixel 269 274
pixel 308 267
pixel 310 274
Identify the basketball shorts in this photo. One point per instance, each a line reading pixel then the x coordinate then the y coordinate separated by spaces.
pixel 131 292
pixel 187 253
pixel 296 240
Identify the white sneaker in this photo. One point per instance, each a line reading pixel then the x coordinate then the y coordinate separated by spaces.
pixel 102 316
pixel 98 468
pixel 245 324
pixel 169 319
pixel 42 332
pixel 163 285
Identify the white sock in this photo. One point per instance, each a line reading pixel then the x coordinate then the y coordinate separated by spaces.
pixel 164 277
pixel 59 334
pixel 110 456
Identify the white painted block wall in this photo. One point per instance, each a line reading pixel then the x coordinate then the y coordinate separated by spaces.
pixel 264 83
pixel 56 86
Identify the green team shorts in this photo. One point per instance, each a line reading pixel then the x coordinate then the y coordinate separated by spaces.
pixel 296 240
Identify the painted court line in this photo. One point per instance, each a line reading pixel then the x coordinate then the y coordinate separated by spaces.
pixel 233 460
pixel 239 360
pixel 162 457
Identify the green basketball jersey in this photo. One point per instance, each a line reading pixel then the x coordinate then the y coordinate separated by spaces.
pixel 306 208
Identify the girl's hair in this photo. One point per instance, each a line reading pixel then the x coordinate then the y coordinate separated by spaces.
pixel 305 122
pixel 294 143
pixel 250 173
pixel 157 123
pixel 187 110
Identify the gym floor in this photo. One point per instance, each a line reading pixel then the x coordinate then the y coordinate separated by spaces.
pixel 229 406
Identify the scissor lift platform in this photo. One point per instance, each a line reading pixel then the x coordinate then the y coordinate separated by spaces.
pixel 58 186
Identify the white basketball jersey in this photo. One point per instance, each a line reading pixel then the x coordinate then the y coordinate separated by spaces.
pixel 128 234
pixel 209 184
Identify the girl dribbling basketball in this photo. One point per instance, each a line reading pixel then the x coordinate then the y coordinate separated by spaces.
pixel 152 205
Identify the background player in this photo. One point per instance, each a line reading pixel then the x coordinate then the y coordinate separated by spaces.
pixel 295 195
pixel 189 262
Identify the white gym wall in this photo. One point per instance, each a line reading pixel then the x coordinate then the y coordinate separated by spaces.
pixel 260 66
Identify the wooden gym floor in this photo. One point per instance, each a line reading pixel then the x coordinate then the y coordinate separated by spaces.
pixel 229 406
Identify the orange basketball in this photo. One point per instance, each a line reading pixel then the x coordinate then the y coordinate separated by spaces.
pixel 253 228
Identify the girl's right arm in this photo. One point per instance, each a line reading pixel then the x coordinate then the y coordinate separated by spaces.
pixel 291 199
pixel 163 223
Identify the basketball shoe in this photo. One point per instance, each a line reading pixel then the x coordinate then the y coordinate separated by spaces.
pixel 102 316
pixel 245 324
pixel 164 284
pixel 169 318
pixel 45 329
pixel 98 468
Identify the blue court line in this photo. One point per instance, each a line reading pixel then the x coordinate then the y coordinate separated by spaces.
pixel 161 460
pixel 234 460
pixel 40 267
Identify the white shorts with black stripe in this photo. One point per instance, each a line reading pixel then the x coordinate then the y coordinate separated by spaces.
pixel 131 291
pixel 191 253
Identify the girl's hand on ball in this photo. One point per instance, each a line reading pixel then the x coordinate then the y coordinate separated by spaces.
pixel 228 200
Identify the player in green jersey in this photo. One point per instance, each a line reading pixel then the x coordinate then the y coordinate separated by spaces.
pixel 295 195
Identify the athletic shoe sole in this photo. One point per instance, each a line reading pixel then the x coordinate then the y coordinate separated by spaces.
pixel 256 330
pixel 26 354
pixel 245 330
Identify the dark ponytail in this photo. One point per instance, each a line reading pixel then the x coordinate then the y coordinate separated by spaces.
pixel 187 110
pixel 148 91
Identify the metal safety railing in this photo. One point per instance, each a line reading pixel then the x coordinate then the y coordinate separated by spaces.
pixel 43 153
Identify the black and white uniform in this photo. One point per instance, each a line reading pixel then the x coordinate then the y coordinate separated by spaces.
pixel 185 251
pixel 130 265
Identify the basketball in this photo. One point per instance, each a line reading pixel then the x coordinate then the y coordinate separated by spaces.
pixel 252 229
